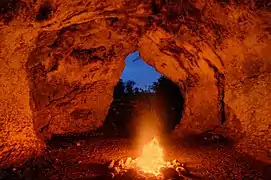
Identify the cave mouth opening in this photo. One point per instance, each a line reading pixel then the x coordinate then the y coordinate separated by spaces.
pixel 144 101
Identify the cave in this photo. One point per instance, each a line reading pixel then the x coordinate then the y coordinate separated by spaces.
pixel 60 62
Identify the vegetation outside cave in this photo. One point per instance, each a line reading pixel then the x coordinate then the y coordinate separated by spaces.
pixel 162 102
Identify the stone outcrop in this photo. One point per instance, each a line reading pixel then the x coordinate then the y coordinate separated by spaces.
pixel 60 61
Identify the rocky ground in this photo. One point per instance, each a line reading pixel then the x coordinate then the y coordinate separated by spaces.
pixel 205 157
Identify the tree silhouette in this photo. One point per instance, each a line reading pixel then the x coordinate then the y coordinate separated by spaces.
pixel 169 102
pixel 119 90
pixel 162 99
pixel 129 87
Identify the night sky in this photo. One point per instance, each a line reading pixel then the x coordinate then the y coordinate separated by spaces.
pixel 139 71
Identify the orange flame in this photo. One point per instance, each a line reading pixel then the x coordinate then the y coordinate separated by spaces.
pixel 151 159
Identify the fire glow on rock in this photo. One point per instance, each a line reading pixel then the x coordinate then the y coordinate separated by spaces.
pixel 150 162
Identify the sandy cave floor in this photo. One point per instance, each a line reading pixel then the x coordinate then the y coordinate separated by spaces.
pixel 87 158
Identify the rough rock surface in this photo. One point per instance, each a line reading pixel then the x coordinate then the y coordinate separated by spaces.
pixel 218 53
pixel 17 134
pixel 72 76
pixel 61 59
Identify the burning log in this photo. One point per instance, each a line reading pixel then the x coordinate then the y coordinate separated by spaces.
pixel 150 164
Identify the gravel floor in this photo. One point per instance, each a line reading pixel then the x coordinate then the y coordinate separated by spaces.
pixel 75 158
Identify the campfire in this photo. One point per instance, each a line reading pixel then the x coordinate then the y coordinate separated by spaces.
pixel 150 164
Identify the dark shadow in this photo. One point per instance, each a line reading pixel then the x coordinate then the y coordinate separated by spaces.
pixel 44 12
pixel 208 139
pixel 169 103
pixel 33 170
pixel 161 103
pixel 263 168
pixel 65 141
pixel 8 10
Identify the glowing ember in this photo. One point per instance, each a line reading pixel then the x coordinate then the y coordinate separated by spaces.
pixel 151 159
pixel 150 162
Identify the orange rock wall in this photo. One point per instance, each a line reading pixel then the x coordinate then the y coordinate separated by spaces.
pixel 17 133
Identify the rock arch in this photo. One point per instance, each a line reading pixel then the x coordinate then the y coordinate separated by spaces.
pixel 58 73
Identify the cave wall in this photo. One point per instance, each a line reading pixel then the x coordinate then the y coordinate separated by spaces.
pixel 58 70
pixel 61 59
pixel 193 72
pixel 18 139
pixel 72 76
pixel 247 88
pixel 219 54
